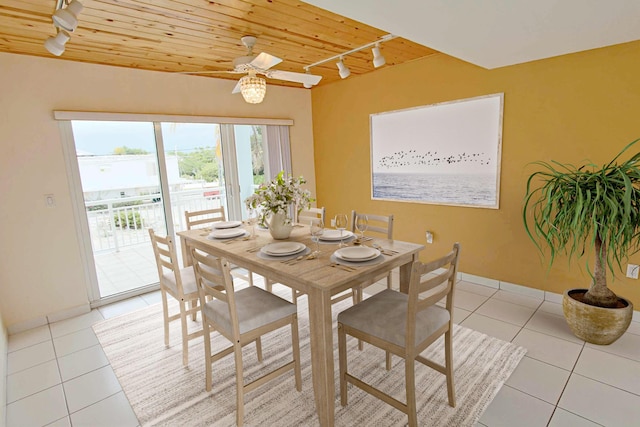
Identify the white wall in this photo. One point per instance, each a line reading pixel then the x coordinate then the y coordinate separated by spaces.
pixel 40 264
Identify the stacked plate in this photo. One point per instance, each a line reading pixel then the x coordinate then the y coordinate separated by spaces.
pixel 357 253
pixel 283 248
pixel 334 235
pixel 226 230
pixel 226 224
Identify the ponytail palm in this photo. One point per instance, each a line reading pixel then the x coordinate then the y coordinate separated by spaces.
pixel 573 210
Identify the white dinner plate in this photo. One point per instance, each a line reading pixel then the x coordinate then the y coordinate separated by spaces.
pixel 227 233
pixel 226 224
pixel 335 235
pixel 357 253
pixel 282 248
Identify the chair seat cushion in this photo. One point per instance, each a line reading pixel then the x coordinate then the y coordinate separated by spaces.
pixel 188 277
pixel 256 307
pixel 384 316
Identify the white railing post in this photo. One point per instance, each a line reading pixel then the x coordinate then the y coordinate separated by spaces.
pixel 113 224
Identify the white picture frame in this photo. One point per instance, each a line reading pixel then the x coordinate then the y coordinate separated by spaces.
pixel 447 153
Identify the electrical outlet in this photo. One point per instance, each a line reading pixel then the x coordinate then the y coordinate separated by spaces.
pixel 429 237
pixel 49 200
pixel 632 271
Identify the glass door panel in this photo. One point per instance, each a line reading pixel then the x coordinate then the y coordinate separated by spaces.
pixel 120 180
pixel 249 146
pixel 194 168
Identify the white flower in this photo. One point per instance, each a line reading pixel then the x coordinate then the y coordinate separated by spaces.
pixel 277 195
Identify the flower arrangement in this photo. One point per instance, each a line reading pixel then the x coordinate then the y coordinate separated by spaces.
pixel 276 197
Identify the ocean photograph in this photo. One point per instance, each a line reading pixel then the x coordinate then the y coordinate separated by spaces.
pixel 446 153
pixel 457 189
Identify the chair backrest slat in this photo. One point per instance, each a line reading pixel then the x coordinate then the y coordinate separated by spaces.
pixel 213 277
pixel 423 281
pixel 208 216
pixel 166 258
pixel 210 276
pixel 307 216
pixel 380 224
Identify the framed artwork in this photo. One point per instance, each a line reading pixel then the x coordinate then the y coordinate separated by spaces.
pixel 446 153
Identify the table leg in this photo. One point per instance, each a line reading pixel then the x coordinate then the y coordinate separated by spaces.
pixel 321 331
pixel 405 274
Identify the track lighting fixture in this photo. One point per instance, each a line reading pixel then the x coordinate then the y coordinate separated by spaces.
pixel 55 45
pixel 65 19
pixel 343 70
pixel 378 59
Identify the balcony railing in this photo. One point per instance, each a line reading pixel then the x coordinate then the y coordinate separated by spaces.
pixel 121 222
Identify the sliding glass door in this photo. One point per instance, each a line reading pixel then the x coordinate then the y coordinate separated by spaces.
pixel 138 175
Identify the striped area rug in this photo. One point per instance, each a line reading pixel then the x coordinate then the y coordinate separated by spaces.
pixel 164 393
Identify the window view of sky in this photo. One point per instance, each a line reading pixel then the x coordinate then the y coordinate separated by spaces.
pixel 101 138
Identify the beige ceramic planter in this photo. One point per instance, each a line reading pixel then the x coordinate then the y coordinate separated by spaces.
pixel 596 325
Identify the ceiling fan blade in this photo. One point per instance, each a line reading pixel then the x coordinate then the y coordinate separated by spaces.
pixel 309 79
pixel 264 61
pixel 237 88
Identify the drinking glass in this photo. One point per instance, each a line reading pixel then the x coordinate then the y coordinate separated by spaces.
pixel 317 228
pixel 252 220
pixel 341 224
pixel 362 223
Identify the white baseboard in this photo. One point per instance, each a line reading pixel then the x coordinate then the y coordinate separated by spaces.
pixel 522 290
pixel 50 318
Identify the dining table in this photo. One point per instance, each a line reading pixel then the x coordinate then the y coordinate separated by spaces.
pixel 320 277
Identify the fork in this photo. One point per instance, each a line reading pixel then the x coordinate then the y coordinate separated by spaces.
pixel 342 267
pixel 293 260
pixel 235 239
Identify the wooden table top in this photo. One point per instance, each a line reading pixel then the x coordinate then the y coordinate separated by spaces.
pixel 304 274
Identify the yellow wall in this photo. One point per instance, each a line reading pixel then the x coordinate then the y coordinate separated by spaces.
pixel 569 108
pixel 40 265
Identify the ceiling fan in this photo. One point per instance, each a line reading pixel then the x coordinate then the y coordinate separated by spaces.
pixel 252 87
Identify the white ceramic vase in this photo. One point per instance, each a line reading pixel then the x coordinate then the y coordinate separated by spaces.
pixel 277 227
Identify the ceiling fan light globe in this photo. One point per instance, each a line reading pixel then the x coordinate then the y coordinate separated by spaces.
pixel 253 89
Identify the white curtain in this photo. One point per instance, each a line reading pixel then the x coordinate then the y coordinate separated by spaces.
pixel 278 150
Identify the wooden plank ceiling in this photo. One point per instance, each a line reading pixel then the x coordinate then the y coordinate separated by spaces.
pixel 200 35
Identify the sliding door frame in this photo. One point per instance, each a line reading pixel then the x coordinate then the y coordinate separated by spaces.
pixel 77 197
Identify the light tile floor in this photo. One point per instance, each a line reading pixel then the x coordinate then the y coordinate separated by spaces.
pixel 58 374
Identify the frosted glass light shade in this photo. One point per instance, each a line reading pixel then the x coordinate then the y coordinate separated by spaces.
pixel 253 89
pixel 55 45
pixel 67 18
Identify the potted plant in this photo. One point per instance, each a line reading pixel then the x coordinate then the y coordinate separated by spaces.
pixel 276 199
pixel 588 209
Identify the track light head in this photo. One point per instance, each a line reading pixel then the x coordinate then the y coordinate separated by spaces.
pixel 378 59
pixel 343 70
pixel 67 18
pixel 55 45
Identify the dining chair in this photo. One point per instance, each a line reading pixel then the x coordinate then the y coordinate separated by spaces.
pixel 241 317
pixel 307 216
pixel 405 325
pixel 381 226
pixel 178 282
pixel 206 218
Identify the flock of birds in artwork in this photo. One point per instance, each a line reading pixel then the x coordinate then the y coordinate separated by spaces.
pixel 411 158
